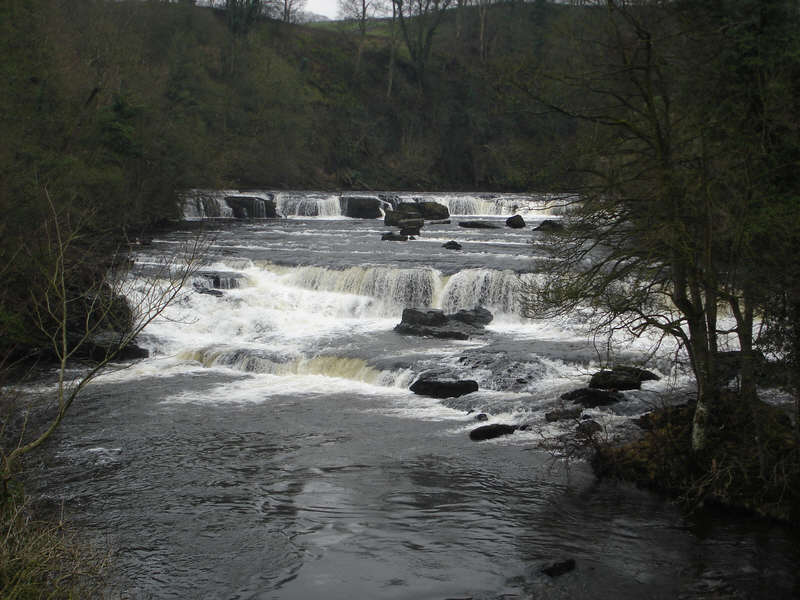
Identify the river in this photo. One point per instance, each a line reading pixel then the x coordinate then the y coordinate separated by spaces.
pixel 270 446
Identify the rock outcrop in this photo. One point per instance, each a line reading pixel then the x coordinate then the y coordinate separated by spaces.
pixel 550 226
pixel 478 225
pixel 621 378
pixel 515 222
pixel 252 207
pixel 434 323
pixel 440 387
pixel 488 432
pixel 361 207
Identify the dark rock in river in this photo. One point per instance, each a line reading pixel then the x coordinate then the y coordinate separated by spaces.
pixel 563 414
pixel 394 237
pixel 621 378
pixel 410 226
pixel 433 210
pixel 432 317
pixel 361 207
pixel 588 428
pixel 452 245
pixel 478 225
pixel 479 317
pixel 482 417
pixel 439 222
pixel 549 226
pixel 559 567
pixel 434 323
pixel 402 211
pixel 444 388
pixel 592 398
pixel 515 222
pixel 208 292
pixel 488 432
pixel 252 207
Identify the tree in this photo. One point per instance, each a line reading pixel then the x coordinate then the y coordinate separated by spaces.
pixel 673 178
pixel 78 305
pixel 359 12
pixel 419 20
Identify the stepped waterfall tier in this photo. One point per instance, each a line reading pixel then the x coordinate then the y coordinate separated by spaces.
pixel 273 445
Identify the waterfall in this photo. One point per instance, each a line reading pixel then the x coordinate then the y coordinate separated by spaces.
pixel 394 288
pixel 296 204
pixel 492 289
pixel 355 369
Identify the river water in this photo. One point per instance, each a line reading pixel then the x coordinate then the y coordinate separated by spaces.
pixel 270 447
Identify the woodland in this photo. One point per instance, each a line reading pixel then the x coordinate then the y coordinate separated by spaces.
pixel 676 125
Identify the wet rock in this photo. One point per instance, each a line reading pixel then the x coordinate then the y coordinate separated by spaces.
pixel 452 245
pixel 432 317
pixel 403 211
pixel 478 317
pixel 439 222
pixel 588 428
pixel 434 323
pixel 482 417
pixel 410 226
pixel 361 207
pixel 478 225
pixel 621 378
pixel 559 567
pixel 394 237
pixel 432 210
pixel 550 226
pixel 515 222
pixel 252 207
pixel 592 398
pixel 444 388
pixel 208 292
pixel 488 432
pixel 563 414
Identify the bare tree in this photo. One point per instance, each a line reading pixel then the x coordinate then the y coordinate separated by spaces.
pixel 419 20
pixel 90 321
pixel 359 12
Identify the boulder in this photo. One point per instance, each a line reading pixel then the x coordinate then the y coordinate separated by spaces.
pixel 444 388
pixel 588 428
pixel 640 374
pixel 592 398
pixel 402 211
pixel 488 432
pixel 394 237
pixel 439 222
pixel 478 225
pixel 434 323
pixel 515 222
pixel 252 207
pixel 563 414
pixel 482 417
pixel 550 226
pixel 559 567
pixel 615 380
pixel 433 317
pixel 452 245
pixel 478 317
pixel 361 207
pixel 432 210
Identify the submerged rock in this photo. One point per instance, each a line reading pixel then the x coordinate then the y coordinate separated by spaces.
pixel 478 225
pixel 482 417
pixel 515 222
pixel 559 567
pixel 444 388
pixel 592 398
pixel 394 237
pixel 452 245
pixel 488 432
pixel 562 414
pixel 550 226
pixel 588 428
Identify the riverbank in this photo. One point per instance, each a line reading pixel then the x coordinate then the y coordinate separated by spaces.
pixel 752 462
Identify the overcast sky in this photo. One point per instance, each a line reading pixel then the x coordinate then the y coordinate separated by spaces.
pixel 322 7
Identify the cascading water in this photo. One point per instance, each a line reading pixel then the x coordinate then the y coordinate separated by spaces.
pixel 271 448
